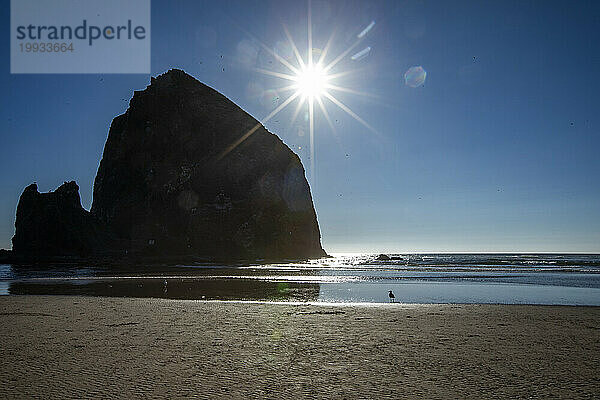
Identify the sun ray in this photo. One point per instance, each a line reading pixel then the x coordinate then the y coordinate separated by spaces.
pixel 331 126
pixel 297 110
pixel 326 49
pixel 276 74
pixel 310 46
pixel 280 59
pixel 349 112
pixel 255 127
pixel 281 107
pixel 294 48
pixel 341 56
pixel 311 119
pixel 284 89
pixel 270 51
pixel 347 90
pixel 326 115
pixel 346 73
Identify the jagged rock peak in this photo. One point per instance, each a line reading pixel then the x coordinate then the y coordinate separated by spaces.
pixel 172 77
pixel 55 224
pixel 176 79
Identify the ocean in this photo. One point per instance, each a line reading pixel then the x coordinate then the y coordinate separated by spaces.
pixel 553 279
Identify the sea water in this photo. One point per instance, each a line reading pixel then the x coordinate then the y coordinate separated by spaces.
pixel 555 279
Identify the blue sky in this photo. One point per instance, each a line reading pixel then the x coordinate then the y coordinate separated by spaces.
pixel 497 151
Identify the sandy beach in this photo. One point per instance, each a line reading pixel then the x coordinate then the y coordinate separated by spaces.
pixel 82 347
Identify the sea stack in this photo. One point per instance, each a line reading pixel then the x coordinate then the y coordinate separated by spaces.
pixel 56 225
pixel 187 173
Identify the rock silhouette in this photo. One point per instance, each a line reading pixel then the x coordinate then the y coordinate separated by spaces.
pixel 55 224
pixel 185 172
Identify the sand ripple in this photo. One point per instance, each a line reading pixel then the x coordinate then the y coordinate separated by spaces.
pixel 74 347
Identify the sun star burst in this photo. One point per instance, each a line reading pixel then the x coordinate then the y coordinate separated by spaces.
pixel 311 82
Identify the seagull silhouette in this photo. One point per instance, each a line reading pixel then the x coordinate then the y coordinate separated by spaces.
pixel 392 297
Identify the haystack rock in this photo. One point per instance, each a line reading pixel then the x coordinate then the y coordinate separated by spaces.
pixel 185 171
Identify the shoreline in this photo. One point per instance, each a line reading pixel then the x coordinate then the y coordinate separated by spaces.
pixel 74 346
pixel 341 304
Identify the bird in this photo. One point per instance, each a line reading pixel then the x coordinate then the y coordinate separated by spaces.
pixel 392 297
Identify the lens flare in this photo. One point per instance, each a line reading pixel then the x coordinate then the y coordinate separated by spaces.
pixel 361 54
pixel 415 76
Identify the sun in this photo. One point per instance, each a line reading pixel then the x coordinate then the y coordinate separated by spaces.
pixel 311 81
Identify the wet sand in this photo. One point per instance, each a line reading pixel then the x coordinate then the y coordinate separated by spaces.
pixel 82 347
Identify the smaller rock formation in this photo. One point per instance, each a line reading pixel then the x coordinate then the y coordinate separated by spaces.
pixel 383 257
pixel 55 224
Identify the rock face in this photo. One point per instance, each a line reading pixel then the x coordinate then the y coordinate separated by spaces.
pixel 55 224
pixel 185 172
pixel 383 257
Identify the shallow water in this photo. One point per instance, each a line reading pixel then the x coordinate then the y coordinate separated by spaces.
pixel 346 278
